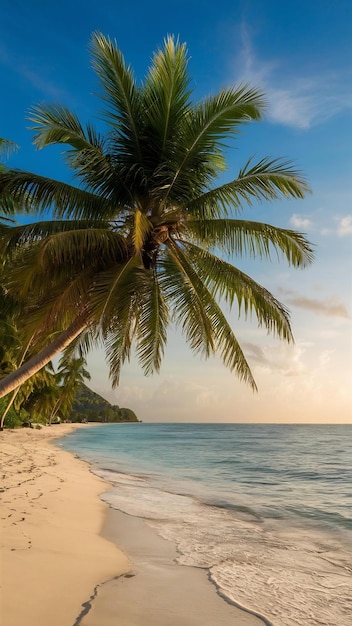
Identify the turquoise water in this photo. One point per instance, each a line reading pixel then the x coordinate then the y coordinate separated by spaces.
pixel 275 471
pixel 267 509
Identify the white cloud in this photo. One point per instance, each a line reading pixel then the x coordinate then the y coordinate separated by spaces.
pixel 344 226
pixel 283 359
pixel 300 100
pixel 298 221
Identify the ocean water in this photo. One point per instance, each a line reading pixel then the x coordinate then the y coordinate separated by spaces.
pixel 266 509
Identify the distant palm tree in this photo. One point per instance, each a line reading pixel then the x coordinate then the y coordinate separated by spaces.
pixel 15 346
pixel 70 377
pixel 143 240
pixel 11 350
pixel 38 396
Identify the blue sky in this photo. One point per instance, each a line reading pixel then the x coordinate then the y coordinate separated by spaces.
pixel 300 54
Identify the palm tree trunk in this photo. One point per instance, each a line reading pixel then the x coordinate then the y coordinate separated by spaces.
pixel 19 376
pixel 55 409
pixel 12 399
pixel 9 405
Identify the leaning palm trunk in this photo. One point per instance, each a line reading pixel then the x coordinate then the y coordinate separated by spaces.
pixel 17 378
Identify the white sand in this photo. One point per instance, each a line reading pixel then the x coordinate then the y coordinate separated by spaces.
pixel 52 553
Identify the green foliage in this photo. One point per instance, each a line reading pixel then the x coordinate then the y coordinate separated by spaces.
pixel 90 406
pixel 137 243
pixel 12 418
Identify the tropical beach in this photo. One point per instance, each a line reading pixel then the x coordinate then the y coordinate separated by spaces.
pixel 174 188
pixel 55 561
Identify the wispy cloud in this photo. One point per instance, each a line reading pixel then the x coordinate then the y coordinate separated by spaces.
pixel 299 221
pixel 300 100
pixel 339 225
pixel 330 307
pixel 23 69
pixel 283 359
pixel 193 394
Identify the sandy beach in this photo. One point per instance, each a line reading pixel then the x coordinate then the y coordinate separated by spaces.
pixel 52 553
pixel 60 564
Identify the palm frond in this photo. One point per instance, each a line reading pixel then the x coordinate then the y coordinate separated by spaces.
pixel 94 248
pixel 118 344
pixel 166 97
pixel 51 308
pixel 223 339
pixel 7 147
pixel 8 207
pixel 58 272
pixel 43 193
pixel 226 281
pixel 270 179
pixel 83 344
pixel 142 226
pixel 256 239
pixel 24 234
pixel 87 156
pixel 56 124
pixel 188 300
pixel 275 176
pixel 113 289
pixel 115 300
pixel 120 92
pixel 213 120
pixel 152 325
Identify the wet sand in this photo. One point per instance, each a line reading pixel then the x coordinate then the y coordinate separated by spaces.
pixel 157 591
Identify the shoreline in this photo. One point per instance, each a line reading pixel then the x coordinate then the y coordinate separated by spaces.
pixel 62 546
pixel 158 590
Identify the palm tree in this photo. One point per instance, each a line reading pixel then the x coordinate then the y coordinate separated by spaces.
pixel 37 396
pixel 11 349
pixel 70 376
pixel 15 346
pixel 145 237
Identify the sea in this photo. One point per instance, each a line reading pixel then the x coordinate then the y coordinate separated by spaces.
pixel 265 509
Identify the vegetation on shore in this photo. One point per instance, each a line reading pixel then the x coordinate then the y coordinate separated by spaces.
pixel 92 407
pixel 87 406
